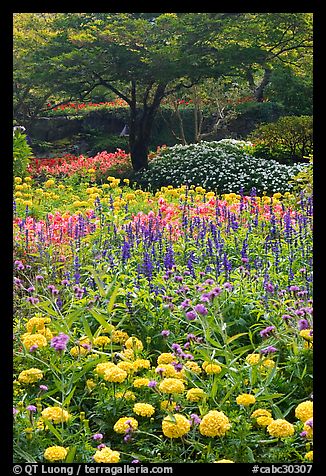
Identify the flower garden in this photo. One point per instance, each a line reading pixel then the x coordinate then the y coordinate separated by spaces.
pixel 163 325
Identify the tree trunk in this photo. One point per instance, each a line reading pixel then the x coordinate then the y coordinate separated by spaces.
pixel 139 154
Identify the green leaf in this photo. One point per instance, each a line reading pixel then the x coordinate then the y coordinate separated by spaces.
pixel 69 397
pixel 52 429
pixel 87 329
pixel 112 299
pixel 71 454
pixel 100 319
pixel 231 339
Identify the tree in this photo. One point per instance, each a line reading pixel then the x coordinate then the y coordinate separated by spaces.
pixel 143 57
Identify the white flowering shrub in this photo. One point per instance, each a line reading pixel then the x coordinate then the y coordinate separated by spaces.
pixel 222 166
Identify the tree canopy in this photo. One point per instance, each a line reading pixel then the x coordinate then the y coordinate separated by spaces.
pixel 143 57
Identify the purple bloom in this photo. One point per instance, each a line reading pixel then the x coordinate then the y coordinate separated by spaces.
pixel 99 447
pixel 294 288
pixel 185 303
pixel 269 349
pixel 299 312
pixel 228 286
pixel 269 287
pixel 165 333
pixel 135 461
pixel 303 324
pixel 186 345
pixel 209 281
pixel 32 300
pixel 44 388
pixel 303 434
pixel 176 348
pixel 205 297
pixel 285 317
pixel 267 331
pixel 59 343
pixel 152 383
pixel 159 370
pixel 191 315
pixel 65 282
pixel 194 419
pixel 31 408
pixel 30 289
pixel 14 411
pixel 191 337
pixel 201 309
pixel 97 436
pixel 39 277
pixel 309 423
pixel 33 347
pixel 177 366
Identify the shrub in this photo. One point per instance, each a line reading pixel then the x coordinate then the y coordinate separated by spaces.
pixel 295 133
pixel 21 152
pixel 222 166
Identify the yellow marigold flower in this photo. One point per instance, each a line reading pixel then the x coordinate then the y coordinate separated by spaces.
pixel 106 455
pixel 55 414
pixel 165 358
pixel 49 183
pixel 175 426
pixel 101 341
pixel 29 340
pixel 253 359
pixel 128 395
pixel 30 376
pixel 168 405
pixel 126 181
pixel 141 382
pixel 195 395
pixel 214 423
pixel 126 366
pixel 139 364
pixel 36 324
pixel 127 354
pixel 264 420
pixel 268 363
pixel 101 368
pixel 124 423
pixel 166 369
pixel 28 179
pixel 119 337
pixel 212 368
pixel 277 195
pixel 90 384
pixel 193 367
pixel 245 399
pixel 144 409
pixel 55 453
pixel 224 461
pixel 115 374
pixel 78 350
pixel 171 385
pixel 305 333
pixel 18 180
pixel 46 333
pixel 304 411
pixel 261 412
pixel 134 343
pixel 280 428
pixel 309 456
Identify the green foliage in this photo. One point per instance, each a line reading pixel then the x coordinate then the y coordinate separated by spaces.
pixel 222 166
pixel 22 152
pixel 260 111
pixel 293 91
pixel 303 181
pixel 295 133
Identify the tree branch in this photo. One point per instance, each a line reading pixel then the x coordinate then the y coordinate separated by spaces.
pixel 105 83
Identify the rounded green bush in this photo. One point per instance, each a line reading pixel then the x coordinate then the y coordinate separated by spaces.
pixel 223 166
